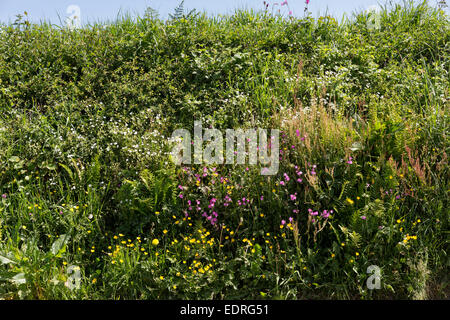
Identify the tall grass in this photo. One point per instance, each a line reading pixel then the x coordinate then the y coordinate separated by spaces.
pixel 87 183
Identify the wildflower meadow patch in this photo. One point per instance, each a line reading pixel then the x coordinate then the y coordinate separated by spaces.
pixel 255 155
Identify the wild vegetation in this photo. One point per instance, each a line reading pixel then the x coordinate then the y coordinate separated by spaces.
pixel 92 207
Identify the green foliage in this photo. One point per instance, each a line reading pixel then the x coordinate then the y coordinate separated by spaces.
pixel 88 187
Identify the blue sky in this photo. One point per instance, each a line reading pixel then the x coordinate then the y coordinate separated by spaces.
pixel 101 10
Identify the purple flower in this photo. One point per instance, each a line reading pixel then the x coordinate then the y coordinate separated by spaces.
pixel 283 222
pixel 294 196
pixel 4 196
pixel 350 160
pixel 363 217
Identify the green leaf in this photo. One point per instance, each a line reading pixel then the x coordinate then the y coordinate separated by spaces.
pixel 356 146
pixel 59 246
pixel 19 165
pixel 5 260
pixel 67 170
pixel 19 278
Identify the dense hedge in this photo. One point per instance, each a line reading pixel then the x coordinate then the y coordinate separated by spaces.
pixel 86 180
